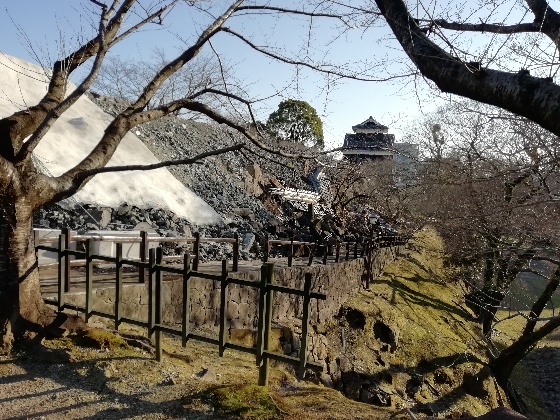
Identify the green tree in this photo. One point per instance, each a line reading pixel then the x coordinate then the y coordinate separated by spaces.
pixel 296 121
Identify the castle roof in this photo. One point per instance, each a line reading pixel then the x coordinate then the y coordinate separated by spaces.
pixel 369 124
pixel 369 141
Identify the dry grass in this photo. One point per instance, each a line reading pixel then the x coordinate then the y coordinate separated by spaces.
pixel 438 342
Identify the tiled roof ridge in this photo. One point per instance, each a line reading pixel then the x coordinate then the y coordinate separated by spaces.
pixel 370 123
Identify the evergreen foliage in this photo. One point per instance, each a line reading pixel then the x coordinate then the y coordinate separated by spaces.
pixel 296 121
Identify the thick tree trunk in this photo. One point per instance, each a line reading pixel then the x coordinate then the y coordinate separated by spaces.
pixel 503 365
pixel 532 97
pixel 22 311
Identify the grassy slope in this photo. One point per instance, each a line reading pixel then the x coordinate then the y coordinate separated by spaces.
pixel 439 347
pixel 438 351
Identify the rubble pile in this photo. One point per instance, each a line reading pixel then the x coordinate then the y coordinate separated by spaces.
pixel 235 184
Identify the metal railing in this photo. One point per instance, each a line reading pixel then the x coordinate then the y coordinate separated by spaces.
pixel 154 324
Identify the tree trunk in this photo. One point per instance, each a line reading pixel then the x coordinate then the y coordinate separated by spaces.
pixel 22 310
pixel 503 365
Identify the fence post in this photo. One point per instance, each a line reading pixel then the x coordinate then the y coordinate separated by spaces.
pixel 356 248
pixel 158 304
pixel 311 254
pixel 196 251
pixel 186 313
pixel 310 211
pixel 369 260
pixel 144 247
pixel 62 256
pixel 266 248
pixel 223 309
pixel 262 312
pixel 118 285
pixel 291 251
pixel 326 254
pixel 151 292
pixel 235 266
pixel 363 250
pixel 264 367
pixel 66 233
pixel 304 325
pixel 347 251
pixel 337 255
pixel 368 269
pixel 89 277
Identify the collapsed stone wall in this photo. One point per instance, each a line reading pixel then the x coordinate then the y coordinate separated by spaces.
pixel 337 281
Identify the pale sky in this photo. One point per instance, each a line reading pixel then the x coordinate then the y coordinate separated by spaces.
pixel 55 25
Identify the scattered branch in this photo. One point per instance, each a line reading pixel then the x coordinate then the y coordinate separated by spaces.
pixel 327 69
pixel 80 176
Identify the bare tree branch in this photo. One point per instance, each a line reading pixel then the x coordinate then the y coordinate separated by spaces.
pixel 53 115
pixel 79 177
pixel 143 22
pixel 496 28
pixel 294 12
pixel 22 124
pixel 327 69
pixel 181 60
pixel 535 98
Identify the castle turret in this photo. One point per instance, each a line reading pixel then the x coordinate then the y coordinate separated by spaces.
pixel 370 140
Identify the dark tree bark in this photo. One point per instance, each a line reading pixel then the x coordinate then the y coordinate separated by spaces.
pixel 537 99
pixel 24 190
pixel 22 311
pixel 503 365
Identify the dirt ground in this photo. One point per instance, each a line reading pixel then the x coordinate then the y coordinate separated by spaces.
pixel 122 382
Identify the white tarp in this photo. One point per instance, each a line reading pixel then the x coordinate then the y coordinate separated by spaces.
pixel 75 134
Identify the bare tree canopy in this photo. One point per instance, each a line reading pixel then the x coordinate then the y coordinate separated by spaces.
pixel 510 63
pixel 502 175
pixel 170 85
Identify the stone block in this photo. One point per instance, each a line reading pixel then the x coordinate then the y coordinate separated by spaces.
pixel 238 323
pixel 244 336
pixel 246 312
pixel 232 310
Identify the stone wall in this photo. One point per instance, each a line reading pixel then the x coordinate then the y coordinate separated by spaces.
pixel 337 281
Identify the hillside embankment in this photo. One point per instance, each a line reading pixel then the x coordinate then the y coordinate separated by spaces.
pixel 407 343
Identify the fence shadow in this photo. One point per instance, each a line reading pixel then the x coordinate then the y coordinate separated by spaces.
pixel 84 388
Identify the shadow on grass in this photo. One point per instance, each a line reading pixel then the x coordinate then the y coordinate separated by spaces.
pixel 473 384
pixel 432 276
pixel 421 299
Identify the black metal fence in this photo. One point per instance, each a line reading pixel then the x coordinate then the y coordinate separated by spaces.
pixel 154 324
